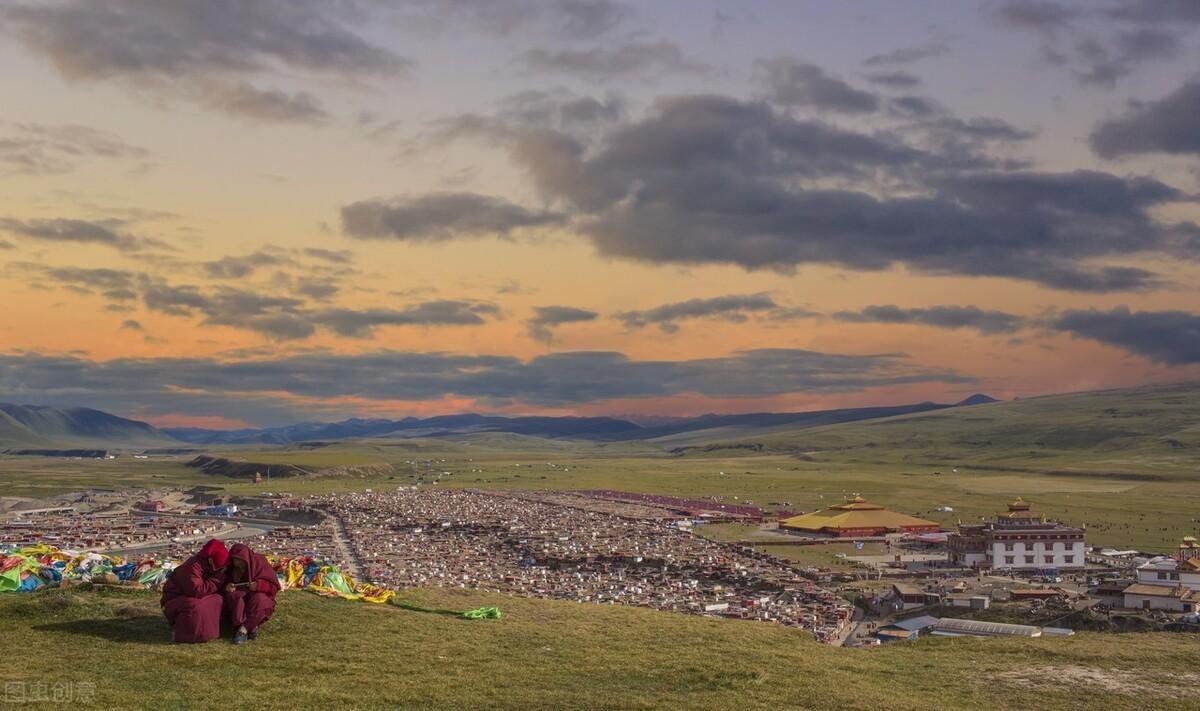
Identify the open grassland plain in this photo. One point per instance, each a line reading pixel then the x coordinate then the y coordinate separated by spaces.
pixel 1150 515
pixel 37 477
pixel 323 652
pixel 1125 464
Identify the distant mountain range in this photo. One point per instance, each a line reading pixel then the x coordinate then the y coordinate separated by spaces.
pixel 31 426
pixel 590 428
pixel 39 428
pixel 440 426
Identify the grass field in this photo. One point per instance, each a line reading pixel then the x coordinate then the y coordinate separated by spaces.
pixel 1152 515
pixel 325 652
pixel 824 555
pixel 1145 433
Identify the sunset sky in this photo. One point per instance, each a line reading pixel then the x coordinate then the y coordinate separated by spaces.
pixel 224 213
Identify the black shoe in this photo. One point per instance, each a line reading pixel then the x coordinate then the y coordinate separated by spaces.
pixel 239 638
pixel 252 634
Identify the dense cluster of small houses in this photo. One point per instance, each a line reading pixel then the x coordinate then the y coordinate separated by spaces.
pixel 514 543
pixel 63 528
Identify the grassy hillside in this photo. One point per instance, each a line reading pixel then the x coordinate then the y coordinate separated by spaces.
pixel 331 653
pixel 30 425
pixel 1152 430
pixel 15 434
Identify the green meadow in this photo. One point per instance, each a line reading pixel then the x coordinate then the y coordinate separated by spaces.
pixel 321 652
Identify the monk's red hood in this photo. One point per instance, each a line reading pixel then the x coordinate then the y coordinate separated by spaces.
pixel 215 553
pixel 257 567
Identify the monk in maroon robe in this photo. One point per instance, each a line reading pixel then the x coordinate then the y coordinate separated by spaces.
pixel 249 590
pixel 191 597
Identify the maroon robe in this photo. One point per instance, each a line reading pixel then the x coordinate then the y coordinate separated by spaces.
pixel 251 607
pixel 191 599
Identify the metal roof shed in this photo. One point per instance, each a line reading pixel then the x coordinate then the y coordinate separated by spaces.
pixel 978 628
pixel 916 624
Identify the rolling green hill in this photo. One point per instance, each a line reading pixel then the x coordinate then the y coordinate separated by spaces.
pixel 1151 431
pixel 24 426
pixel 13 433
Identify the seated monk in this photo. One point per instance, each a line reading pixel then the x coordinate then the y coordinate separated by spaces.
pixel 250 587
pixel 191 597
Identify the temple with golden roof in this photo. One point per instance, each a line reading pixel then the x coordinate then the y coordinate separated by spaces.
pixel 857 518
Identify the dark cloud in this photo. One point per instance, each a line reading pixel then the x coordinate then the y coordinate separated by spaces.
pixel 616 63
pixel 1156 11
pixel 546 319
pixel 710 179
pixel 113 284
pixel 978 129
pixel 340 256
pixel 950 317
pixel 245 100
pixel 103 279
pixel 285 318
pixel 273 315
pixel 1104 279
pixel 1168 125
pixel 318 283
pixel 279 318
pixel 318 289
pixel 1103 62
pixel 248 389
pixel 1098 54
pixel 908 55
pixel 735 307
pixel 204 51
pixel 793 83
pixel 240 267
pixel 561 109
pixel 131 325
pixel 945 129
pixel 119 295
pixel 895 79
pixel 965 141
pixel 89 40
pixel 36 149
pixel 361 324
pixel 1167 337
pixel 174 300
pixel 110 233
pixel 439 217
pixel 706 138
pixel 706 131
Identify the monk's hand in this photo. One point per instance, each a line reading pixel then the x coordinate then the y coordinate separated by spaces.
pixel 252 586
pixel 229 587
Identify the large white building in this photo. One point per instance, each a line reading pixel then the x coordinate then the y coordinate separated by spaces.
pixel 1018 540
pixel 1168 583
